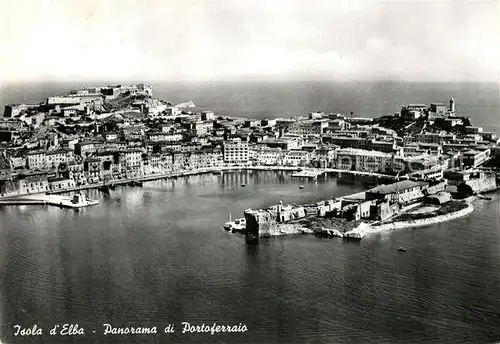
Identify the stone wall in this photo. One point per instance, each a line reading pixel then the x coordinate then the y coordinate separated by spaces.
pixel 487 183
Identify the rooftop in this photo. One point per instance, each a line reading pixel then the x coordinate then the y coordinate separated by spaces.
pixel 396 187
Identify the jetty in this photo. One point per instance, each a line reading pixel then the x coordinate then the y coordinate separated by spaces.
pixel 77 200
pixel 309 173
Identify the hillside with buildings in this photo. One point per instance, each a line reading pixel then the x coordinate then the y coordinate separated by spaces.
pixel 122 132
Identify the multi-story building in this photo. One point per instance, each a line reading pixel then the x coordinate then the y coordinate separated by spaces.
pixel 308 127
pixel 267 156
pixel 158 136
pixel 406 191
pixel 35 182
pixel 297 158
pixel 475 158
pixel 387 146
pixel 325 156
pixel 131 162
pixel 236 152
pixel 364 160
pixel 344 141
pixel 92 170
pixel 43 160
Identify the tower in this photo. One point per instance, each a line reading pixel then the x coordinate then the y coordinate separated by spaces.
pixel 452 105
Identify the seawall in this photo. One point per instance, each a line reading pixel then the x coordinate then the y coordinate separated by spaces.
pixel 420 222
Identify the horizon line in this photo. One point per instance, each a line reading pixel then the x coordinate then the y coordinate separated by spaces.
pixel 117 81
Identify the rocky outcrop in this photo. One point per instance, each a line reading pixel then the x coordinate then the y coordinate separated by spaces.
pixel 330 233
pixel 357 233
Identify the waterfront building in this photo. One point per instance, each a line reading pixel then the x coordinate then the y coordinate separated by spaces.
pixel 44 160
pixel 131 162
pixel 262 155
pixel 325 156
pixel 236 152
pixel 364 160
pixel 402 192
pixel 29 183
pixel 296 158
pixel 73 170
pixel 60 183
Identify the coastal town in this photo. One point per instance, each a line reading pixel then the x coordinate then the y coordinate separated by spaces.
pixel 99 137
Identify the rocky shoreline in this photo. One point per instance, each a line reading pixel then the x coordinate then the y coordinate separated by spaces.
pixel 334 227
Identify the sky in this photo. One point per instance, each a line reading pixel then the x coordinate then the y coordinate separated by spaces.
pixel 217 40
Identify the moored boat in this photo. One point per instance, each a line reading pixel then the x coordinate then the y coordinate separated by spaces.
pixel 238 225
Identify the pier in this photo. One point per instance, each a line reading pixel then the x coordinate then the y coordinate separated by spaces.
pixel 314 173
pixel 76 201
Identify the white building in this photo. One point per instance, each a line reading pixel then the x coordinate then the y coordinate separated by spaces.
pixel 236 152
pixel 364 160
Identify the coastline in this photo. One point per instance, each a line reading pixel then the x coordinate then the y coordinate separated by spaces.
pixel 420 222
pixel 365 228
pixel 189 173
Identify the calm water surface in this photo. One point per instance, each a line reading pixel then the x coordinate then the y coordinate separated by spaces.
pixel 157 255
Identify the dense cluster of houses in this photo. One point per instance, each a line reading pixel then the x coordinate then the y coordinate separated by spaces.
pixel 122 132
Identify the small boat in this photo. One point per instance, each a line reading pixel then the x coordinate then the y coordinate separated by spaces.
pixel 131 183
pixel 238 225
pixel 112 186
pixel 243 185
pixel 229 224
pixel 301 186
pixel 138 183
pixel 402 249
